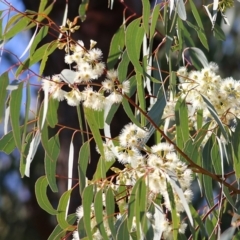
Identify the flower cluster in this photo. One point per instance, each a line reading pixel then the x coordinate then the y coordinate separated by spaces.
pixel 153 165
pixel 224 94
pixel 87 68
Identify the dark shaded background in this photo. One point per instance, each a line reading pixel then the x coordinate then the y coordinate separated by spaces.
pixel 24 220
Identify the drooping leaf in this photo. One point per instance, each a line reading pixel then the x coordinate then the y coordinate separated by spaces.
pixel 123 67
pixel 83 161
pixel 122 231
pixel 24 153
pixel 62 213
pixel 51 162
pixel 58 232
pixel 7 143
pixel 110 210
pixel 215 117
pixel 134 38
pixel 98 209
pixel 82 9
pixel 181 119
pixel 87 200
pixel 15 112
pixel 198 57
pixel 146 15
pixel 116 47
pixel 52 116
pixel 94 129
pixel 181 10
pixel 41 195
pixel 3 92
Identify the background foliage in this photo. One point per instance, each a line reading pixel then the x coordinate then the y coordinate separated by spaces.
pixel 193 31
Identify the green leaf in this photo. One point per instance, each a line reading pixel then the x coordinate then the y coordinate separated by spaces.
pixel 7 143
pixel 134 38
pixel 98 209
pixel 196 15
pixel 110 210
pixel 52 115
pixel 102 168
pixel 155 14
pixel 41 34
pixel 215 117
pixel 235 141
pixel 111 113
pixel 129 112
pixel 42 5
pixel 116 47
pixel 82 9
pixel 83 160
pixel 58 232
pixel 18 27
pixel 122 231
pixel 198 57
pixel 4 81
pixel 24 153
pixel 51 162
pixel 199 221
pixel 131 205
pixel 206 164
pixel 216 157
pixel 181 10
pixel 87 202
pixel 123 67
pixel 181 119
pixel 141 97
pixel 62 207
pixel 146 15
pixel 41 195
pixel 50 49
pixel 218 33
pixel 175 217
pixel 15 109
pixel 89 113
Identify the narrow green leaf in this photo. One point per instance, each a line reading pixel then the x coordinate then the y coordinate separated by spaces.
pixel 216 158
pixel 87 202
pixel 199 221
pixel 42 5
pixel 61 211
pixel 111 113
pixel 181 10
pixel 51 162
pixel 7 143
pixel 15 109
pixel 83 160
pixel 3 92
pixel 196 15
pixel 181 118
pixel 154 19
pixel 134 38
pixel 206 164
pixel 141 96
pixel 215 117
pixel 110 210
pixel 41 195
pixel 199 118
pixel 123 67
pixel 218 33
pixel 58 232
pixel 102 168
pixel 129 112
pixel 24 153
pixel 52 116
pixel 122 232
pixel 235 141
pixel 98 209
pixel 175 217
pixel 198 57
pixel 82 9
pixel 89 113
pixel 146 15
pixel 131 205
pixel 41 34
pixel 50 49
pixel 20 26
pixel 116 47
